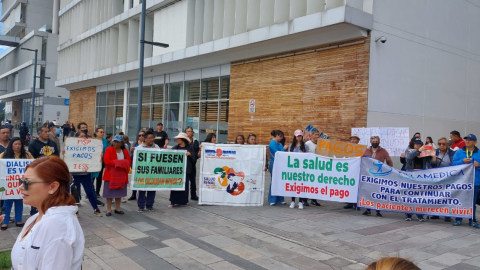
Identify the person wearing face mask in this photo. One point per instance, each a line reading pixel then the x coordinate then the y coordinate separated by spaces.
pixel 380 154
pixel 413 162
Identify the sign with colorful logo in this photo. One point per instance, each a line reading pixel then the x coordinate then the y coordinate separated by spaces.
pixel 446 191
pixel 306 175
pixel 232 174
pixel 83 155
pixel 158 169
pixel 11 171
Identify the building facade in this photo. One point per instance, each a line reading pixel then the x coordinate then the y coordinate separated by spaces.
pixel 28 25
pixel 251 66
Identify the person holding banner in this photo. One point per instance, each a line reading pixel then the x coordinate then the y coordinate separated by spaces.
pixel 140 140
pixel 467 155
pixel 413 162
pixel 252 139
pixel 193 175
pixel 147 197
pixel 85 179
pixel 211 138
pixel 380 154
pixel 273 147
pixel 178 198
pixel 240 139
pixel 312 146
pixel 298 146
pixel 112 155
pixel 15 150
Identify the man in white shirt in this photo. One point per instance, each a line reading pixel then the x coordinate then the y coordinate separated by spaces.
pixel 312 146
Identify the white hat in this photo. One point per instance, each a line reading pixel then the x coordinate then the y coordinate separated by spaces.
pixel 183 135
pixel 354 136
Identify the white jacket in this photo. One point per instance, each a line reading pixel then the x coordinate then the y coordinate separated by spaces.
pixel 55 242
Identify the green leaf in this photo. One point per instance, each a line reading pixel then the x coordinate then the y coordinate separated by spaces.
pixel 2 189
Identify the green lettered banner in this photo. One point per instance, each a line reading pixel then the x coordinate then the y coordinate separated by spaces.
pixel 158 169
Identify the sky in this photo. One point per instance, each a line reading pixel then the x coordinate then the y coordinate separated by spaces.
pixel 3 49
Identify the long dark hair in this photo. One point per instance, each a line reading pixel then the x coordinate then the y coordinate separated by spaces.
pixel 294 144
pixel 209 138
pixel 429 138
pixel 9 151
pixel 241 136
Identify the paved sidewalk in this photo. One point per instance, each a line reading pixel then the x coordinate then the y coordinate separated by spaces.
pixel 268 237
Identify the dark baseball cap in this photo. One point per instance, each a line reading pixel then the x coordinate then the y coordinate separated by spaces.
pixel 471 137
pixel 417 141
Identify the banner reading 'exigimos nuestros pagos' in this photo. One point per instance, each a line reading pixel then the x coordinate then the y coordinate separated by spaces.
pixel 232 174
pixel 312 176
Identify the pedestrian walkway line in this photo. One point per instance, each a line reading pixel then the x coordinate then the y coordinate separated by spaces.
pixel 275 235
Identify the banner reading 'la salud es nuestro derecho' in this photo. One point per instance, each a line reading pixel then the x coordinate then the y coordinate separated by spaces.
pixel 312 176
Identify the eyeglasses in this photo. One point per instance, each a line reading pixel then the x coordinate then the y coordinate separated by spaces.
pixel 26 184
pixel 442 144
pixel 141 135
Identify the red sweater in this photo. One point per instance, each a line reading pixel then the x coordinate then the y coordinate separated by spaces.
pixel 460 144
pixel 109 158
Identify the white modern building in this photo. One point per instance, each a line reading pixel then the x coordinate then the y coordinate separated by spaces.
pixel 250 66
pixel 28 24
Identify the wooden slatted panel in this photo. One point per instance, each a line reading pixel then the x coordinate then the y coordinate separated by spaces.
pixel 225 91
pixel 209 111
pixel 224 111
pixel 157 113
pixel 326 89
pixel 158 93
pixel 210 89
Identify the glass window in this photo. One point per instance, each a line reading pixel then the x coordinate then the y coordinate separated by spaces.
pixel 157 93
pixel 110 120
pixel 102 112
pixel 147 95
pixel 208 119
pixel 175 92
pixel 110 98
pixel 225 90
pixel 102 99
pixel 157 114
pixel 119 100
pixel 132 120
pixel 133 96
pixel 192 90
pixel 118 119
pixel 210 88
pixel 174 123
pixel 223 122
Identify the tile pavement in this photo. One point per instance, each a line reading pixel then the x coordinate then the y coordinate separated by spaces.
pixel 268 237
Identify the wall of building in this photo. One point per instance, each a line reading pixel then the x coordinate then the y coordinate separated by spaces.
pixel 16 112
pixel 324 89
pixel 426 76
pixel 37 14
pixel 82 106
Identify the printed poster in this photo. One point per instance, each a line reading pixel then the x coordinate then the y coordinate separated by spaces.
pixel 311 176
pixel 446 191
pixel 158 169
pixel 232 174
pixel 83 155
pixel 11 171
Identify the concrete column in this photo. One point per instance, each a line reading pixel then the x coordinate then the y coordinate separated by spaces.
pixel 56 9
pixel 133 40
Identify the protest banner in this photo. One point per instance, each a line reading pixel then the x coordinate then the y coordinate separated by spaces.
pixel 158 169
pixel 337 149
pixel 11 171
pixel 232 174
pixel 446 191
pixel 394 139
pixel 83 155
pixel 307 175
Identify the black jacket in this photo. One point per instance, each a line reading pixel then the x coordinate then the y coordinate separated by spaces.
pixel 191 160
pixel 39 149
pixel 23 131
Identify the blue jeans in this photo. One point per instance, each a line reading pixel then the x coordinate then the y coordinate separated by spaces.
pixel 141 199
pixel 273 199
pixel 8 209
pixel 86 181
pixel 475 196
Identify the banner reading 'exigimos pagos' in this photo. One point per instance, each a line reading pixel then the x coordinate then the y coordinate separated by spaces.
pixel 312 176
pixel 232 174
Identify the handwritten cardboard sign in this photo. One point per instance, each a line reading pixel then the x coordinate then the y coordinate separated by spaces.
pixel 83 155
pixel 337 149
pixel 394 139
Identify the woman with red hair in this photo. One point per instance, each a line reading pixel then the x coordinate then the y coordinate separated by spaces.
pixel 53 238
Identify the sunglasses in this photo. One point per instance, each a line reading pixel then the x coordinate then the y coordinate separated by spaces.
pixel 141 135
pixel 442 144
pixel 26 184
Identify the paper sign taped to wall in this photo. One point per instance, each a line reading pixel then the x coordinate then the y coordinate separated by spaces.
pixel 338 149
